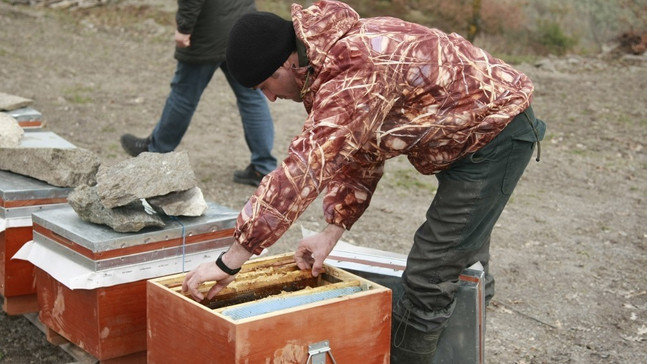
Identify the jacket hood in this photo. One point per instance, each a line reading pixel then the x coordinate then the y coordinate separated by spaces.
pixel 321 25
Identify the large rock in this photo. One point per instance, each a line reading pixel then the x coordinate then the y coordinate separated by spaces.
pixel 130 218
pixel 147 175
pixel 62 167
pixel 12 102
pixel 182 203
pixel 10 131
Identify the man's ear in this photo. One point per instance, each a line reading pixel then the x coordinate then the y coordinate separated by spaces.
pixel 292 61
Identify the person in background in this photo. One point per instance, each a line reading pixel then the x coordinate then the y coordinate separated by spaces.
pixel 201 41
pixel 376 88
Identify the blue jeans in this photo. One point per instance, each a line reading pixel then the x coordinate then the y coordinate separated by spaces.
pixel 187 86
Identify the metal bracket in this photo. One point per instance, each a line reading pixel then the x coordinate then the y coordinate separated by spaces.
pixel 317 353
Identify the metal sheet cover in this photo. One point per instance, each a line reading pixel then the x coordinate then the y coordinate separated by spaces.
pixel 16 187
pixel 100 238
pixel 44 139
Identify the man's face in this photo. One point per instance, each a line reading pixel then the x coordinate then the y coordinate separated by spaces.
pixel 281 85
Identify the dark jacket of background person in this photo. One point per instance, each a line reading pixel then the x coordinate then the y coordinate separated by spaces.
pixel 209 23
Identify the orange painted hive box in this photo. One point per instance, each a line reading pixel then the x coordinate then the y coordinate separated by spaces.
pixel 91 280
pixel 20 196
pixel 27 117
pixel 272 313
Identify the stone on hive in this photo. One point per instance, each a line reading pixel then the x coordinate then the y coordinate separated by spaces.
pixel 182 203
pixel 61 167
pixel 147 175
pixel 12 102
pixel 130 218
pixel 10 131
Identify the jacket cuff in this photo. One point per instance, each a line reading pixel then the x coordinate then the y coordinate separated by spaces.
pixel 183 26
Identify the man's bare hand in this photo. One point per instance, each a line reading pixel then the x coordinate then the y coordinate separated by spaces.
pixel 313 250
pixel 209 271
pixel 182 40
pixel 205 272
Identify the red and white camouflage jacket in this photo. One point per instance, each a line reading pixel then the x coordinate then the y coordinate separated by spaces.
pixel 378 88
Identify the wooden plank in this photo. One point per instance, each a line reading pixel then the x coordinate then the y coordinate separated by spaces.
pixel 80 356
pixel 54 338
pixel 302 292
pixel 18 305
pixel 249 277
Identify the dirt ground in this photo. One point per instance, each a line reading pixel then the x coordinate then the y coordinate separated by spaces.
pixel 569 252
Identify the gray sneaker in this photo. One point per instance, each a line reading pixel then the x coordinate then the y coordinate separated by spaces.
pixel 134 145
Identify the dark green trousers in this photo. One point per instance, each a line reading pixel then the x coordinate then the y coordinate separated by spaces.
pixel 456 233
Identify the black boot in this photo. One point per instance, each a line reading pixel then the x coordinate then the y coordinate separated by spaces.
pixel 412 346
pixel 248 176
pixel 134 145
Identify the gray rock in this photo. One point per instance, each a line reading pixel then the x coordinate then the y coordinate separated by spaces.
pixel 182 203
pixel 62 167
pixel 130 218
pixel 147 175
pixel 10 131
pixel 12 102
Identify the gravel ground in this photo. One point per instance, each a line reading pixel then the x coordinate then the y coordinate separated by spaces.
pixel 568 252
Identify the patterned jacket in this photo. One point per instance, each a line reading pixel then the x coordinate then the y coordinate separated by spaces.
pixel 378 88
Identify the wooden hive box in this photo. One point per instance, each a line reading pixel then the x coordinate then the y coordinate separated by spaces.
pixel 27 117
pixel 91 280
pixel 272 313
pixel 20 196
pixel 463 341
pixel 108 322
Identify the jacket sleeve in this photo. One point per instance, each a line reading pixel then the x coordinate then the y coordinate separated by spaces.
pixel 187 14
pixel 349 193
pixel 347 112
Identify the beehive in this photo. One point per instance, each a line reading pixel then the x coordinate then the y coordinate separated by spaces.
pixel 272 313
pixel 20 196
pixel 27 117
pixel 463 341
pixel 91 280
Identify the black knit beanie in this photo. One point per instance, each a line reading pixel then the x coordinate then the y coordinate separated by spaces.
pixel 259 43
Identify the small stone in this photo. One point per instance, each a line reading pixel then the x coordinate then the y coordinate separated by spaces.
pixel 182 203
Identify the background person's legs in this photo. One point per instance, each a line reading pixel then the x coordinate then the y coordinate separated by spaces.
pixel 257 125
pixel 187 87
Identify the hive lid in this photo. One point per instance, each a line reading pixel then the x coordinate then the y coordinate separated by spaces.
pixel 25 114
pixel 44 139
pixel 65 222
pixel 20 195
pixel 82 255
